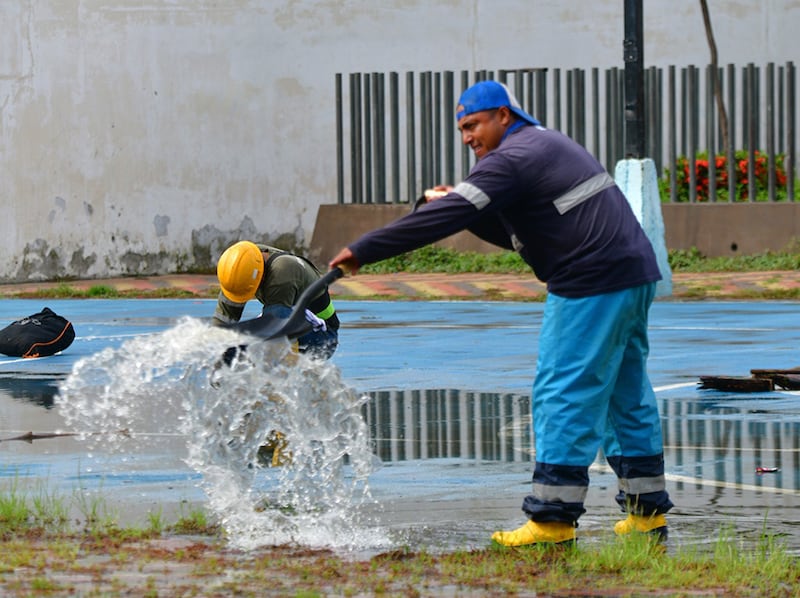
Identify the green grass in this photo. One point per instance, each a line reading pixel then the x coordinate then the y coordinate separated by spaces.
pixel 39 554
pixel 443 260
pixel 436 259
pixel 100 291
pixel 195 522
pixel 40 511
pixel 693 261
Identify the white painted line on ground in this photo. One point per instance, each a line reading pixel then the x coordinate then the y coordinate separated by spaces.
pixel 739 449
pixel 111 336
pixel 714 328
pixel 28 359
pixel 674 386
pixel 672 477
pixel 729 485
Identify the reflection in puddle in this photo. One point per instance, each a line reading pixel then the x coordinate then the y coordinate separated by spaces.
pixel 432 424
pixel 727 439
pixel 707 439
pixel 40 390
pixel 710 439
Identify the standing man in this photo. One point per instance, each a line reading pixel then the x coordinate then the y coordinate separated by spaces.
pixel 277 279
pixel 542 194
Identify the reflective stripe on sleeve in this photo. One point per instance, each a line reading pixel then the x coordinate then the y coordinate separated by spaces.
pixel 327 312
pixel 582 192
pixel 472 194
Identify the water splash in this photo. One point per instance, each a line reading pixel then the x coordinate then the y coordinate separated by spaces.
pixel 308 491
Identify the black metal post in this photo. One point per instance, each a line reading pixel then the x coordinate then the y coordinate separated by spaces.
pixel 633 54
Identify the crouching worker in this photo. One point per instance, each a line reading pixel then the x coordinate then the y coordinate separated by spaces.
pixel 276 278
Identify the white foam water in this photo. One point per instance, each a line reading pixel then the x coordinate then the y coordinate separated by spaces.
pixel 174 382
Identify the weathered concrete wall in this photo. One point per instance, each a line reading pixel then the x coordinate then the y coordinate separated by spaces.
pixel 142 136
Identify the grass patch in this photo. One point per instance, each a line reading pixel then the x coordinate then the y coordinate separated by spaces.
pixel 161 559
pixel 694 261
pixel 195 522
pixel 101 291
pixel 444 260
pixel 14 512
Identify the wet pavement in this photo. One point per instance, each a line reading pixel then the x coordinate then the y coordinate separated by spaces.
pixel 449 387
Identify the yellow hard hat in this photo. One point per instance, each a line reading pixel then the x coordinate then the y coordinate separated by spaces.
pixel 239 271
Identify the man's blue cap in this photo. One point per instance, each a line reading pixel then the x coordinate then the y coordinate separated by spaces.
pixel 488 95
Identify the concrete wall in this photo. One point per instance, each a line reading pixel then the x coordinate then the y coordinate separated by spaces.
pixel 732 229
pixel 142 136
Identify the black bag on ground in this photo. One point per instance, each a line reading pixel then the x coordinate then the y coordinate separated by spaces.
pixel 37 335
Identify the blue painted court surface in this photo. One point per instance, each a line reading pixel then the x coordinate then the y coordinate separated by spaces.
pixel 448 412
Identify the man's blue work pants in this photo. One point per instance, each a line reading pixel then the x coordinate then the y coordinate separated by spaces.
pixel 592 391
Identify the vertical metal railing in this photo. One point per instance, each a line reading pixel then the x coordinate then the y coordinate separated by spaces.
pixel 403 138
pixel 731 109
pixel 691 119
pixel 355 141
pixel 672 134
pixel 790 130
pixel 711 131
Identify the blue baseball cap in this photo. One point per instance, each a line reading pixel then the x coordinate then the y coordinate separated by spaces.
pixel 488 95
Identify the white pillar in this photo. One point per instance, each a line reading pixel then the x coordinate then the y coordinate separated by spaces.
pixel 639 183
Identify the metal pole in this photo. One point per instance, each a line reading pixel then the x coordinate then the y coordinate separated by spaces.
pixel 394 133
pixel 411 142
pixel 790 128
pixel 633 54
pixel 339 141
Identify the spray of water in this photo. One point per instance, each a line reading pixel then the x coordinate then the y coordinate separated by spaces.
pixel 278 438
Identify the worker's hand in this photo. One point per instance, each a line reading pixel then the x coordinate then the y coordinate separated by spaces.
pixel 346 261
pixel 431 194
pixel 436 192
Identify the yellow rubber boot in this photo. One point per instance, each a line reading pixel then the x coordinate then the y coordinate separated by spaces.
pixel 649 524
pixel 537 532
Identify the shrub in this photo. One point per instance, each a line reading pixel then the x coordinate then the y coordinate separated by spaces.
pixel 741 170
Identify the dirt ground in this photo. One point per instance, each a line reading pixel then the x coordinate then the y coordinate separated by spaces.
pixel 200 566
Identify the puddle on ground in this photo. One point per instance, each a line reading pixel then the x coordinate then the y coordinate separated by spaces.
pixel 440 468
pixel 148 430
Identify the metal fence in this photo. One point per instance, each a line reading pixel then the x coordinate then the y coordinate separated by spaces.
pixel 396 135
